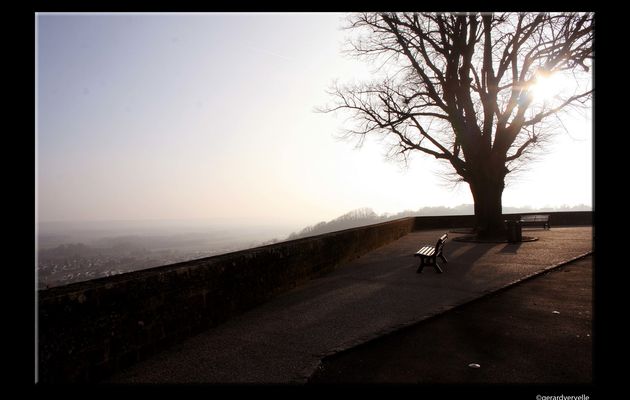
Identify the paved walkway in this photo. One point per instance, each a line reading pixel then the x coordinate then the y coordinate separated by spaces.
pixel 284 340
pixel 536 332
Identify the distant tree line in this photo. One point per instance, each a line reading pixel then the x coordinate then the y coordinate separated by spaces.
pixel 366 216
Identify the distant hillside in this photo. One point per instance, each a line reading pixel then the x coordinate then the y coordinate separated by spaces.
pixel 366 216
pixel 352 219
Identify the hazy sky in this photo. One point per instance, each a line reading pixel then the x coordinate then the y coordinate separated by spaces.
pixel 189 116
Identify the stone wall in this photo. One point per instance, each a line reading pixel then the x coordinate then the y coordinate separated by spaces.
pixel 90 329
pixel 556 218
pixel 573 218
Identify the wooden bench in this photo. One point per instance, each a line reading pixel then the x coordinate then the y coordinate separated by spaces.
pixel 542 219
pixel 429 254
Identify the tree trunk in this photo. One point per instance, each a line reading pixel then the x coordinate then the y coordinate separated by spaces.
pixel 487 193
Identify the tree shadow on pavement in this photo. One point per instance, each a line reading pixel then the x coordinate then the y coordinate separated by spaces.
pixel 511 248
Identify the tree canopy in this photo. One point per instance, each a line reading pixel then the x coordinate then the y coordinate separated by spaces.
pixel 466 88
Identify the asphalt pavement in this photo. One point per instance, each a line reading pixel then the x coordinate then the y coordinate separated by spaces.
pixel 538 331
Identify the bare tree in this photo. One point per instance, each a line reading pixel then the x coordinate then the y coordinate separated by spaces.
pixel 459 87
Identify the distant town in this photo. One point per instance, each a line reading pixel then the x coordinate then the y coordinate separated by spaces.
pixel 77 262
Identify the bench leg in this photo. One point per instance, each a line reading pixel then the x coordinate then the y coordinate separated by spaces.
pixel 424 261
pixel 443 258
pixel 421 267
pixel 437 268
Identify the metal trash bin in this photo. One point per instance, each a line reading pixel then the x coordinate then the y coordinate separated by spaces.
pixel 514 231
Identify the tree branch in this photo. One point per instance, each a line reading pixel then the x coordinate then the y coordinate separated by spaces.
pixel 540 116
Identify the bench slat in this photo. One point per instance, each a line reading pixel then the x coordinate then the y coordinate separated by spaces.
pixel 426 251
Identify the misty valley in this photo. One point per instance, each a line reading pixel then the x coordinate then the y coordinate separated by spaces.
pixel 65 259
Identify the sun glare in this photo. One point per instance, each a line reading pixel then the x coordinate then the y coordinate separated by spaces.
pixel 548 86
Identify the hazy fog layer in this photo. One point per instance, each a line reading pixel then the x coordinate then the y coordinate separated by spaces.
pixel 73 252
